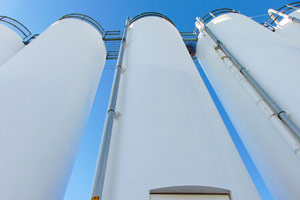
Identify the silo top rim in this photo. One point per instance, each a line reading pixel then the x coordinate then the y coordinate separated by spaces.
pixel 212 14
pixel 149 14
pixel 17 25
pixel 286 9
pixel 85 18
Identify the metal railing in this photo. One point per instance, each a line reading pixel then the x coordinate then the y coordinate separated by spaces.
pixel 189 36
pixel 29 39
pixel 85 18
pixel 112 42
pixel 149 14
pixel 212 14
pixel 112 35
pixel 190 40
pixel 21 28
pixel 274 18
pixel 112 38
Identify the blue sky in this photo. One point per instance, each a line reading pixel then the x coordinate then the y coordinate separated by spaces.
pixel 111 14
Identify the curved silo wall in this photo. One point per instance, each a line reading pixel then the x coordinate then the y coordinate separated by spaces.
pixel 290 30
pixel 10 43
pixel 47 91
pixel 269 59
pixel 168 131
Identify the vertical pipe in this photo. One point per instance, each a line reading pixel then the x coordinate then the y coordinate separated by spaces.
pixel 104 149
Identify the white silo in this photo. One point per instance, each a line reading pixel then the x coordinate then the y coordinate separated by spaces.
pixel 167 136
pixel 10 41
pixel 47 91
pixel 264 60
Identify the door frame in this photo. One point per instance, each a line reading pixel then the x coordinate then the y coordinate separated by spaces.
pixel 191 189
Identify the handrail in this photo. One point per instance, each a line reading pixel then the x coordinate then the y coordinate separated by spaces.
pixel 282 14
pixel 16 24
pixel 85 18
pixel 286 9
pixel 212 14
pixel 149 14
pixel 27 41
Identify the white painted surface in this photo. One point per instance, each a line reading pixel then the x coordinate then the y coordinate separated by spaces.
pixel 188 197
pixel 289 30
pixel 10 43
pixel 269 60
pixel 47 91
pixel 169 132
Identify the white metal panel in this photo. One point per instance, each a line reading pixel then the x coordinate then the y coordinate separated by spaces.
pixel 10 43
pixel 263 53
pixel 168 132
pixel 47 91
pixel 290 30
pixel 188 197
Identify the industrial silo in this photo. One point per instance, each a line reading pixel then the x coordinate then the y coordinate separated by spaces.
pixel 167 138
pixel 47 91
pixel 10 41
pixel 255 75
pixel 285 22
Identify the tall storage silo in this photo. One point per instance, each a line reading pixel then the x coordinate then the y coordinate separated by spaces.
pixel 271 62
pixel 47 91
pixel 168 140
pixel 10 41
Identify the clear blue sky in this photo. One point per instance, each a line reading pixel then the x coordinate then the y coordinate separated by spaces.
pixel 37 15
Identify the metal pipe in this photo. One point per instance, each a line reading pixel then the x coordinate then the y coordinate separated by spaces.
pixel 112 39
pixel 281 114
pixel 104 149
pixel 292 6
pixel 190 39
pixel 293 19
